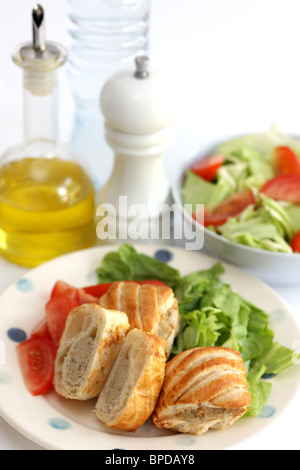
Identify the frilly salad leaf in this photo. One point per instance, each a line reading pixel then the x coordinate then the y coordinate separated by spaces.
pixel 212 314
pixel 198 191
pixel 268 227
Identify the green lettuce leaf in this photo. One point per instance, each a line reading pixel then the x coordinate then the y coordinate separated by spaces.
pixel 259 391
pixel 267 227
pixel 128 264
pixel 293 212
pixel 196 190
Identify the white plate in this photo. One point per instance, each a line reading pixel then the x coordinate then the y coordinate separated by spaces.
pixel 56 423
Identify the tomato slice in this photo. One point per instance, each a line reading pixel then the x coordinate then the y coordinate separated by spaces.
pixel 57 311
pixel 207 167
pixel 36 357
pixel 97 290
pixel 85 297
pixel 211 218
pixel 296 243
pixel 63 288
pixel 286 162
pixel 235 204
pixel 231 207
pixel 41 330
pixel 283 187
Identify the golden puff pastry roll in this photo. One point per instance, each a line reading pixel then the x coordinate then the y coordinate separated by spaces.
pixel 88 348
pixel 132 389
pixel 204 388
pixel 153 309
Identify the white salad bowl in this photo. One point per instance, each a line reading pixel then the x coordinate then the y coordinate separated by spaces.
pixel 281 269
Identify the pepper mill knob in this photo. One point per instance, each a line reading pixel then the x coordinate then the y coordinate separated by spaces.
pixel 141 63
pixel 139 109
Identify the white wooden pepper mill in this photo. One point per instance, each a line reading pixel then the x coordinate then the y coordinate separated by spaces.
pixel 140 111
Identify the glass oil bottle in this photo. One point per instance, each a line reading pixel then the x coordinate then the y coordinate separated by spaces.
pixel 47 198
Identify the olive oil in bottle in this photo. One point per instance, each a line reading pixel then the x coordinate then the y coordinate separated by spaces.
pixel 47 199
pixel 46 209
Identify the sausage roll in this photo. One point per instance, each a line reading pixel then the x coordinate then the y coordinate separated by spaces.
pixel 204 388
pixel 149 308
pixel 87 350
pixel 132 389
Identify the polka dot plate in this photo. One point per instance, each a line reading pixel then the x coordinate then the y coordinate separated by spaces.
pixel 56 423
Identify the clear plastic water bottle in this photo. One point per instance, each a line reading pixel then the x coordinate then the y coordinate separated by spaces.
pixel 105 36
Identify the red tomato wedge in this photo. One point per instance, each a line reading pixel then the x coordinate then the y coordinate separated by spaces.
pixel 97 290
pixel 57 311
pixel 63 288
pixel 231 207
pixel 81 296
pixel 36 357
pixel 283 187
pixel 211 218
pixel 41 330
pixel 296 243
pixel 207 167
pixel 235 204
pixel 85 298
pixel 286 162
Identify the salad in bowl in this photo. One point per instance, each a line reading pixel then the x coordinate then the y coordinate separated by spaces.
pixel 250 188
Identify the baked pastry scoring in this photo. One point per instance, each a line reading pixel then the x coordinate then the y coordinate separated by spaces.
pixel 149 308
pixel 204 388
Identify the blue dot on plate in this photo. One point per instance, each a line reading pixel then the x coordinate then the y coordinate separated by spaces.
pixel 92 278
pixel 185 440
pixel 59 423
pixel 268 376
pixel 277 316
pixel 16 334
pixel 4 378
pixel 25 285
pixel 267 412
pixel 163 255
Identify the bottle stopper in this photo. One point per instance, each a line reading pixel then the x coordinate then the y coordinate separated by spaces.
pixel 38 58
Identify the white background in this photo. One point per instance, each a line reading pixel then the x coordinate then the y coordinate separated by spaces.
pixel 236 67
pixel 235 63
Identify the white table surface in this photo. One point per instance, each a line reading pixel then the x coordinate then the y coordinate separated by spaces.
pixel 237 68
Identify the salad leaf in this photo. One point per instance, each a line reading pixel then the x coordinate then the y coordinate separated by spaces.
pixel 259 391
pixel 199 329
pixel 196 284
pixel 128 264
pixel 268 227
pixel 263 142
pixel 293 212
pixel 198 191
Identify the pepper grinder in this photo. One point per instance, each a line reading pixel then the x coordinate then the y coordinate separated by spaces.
pixel 139 111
